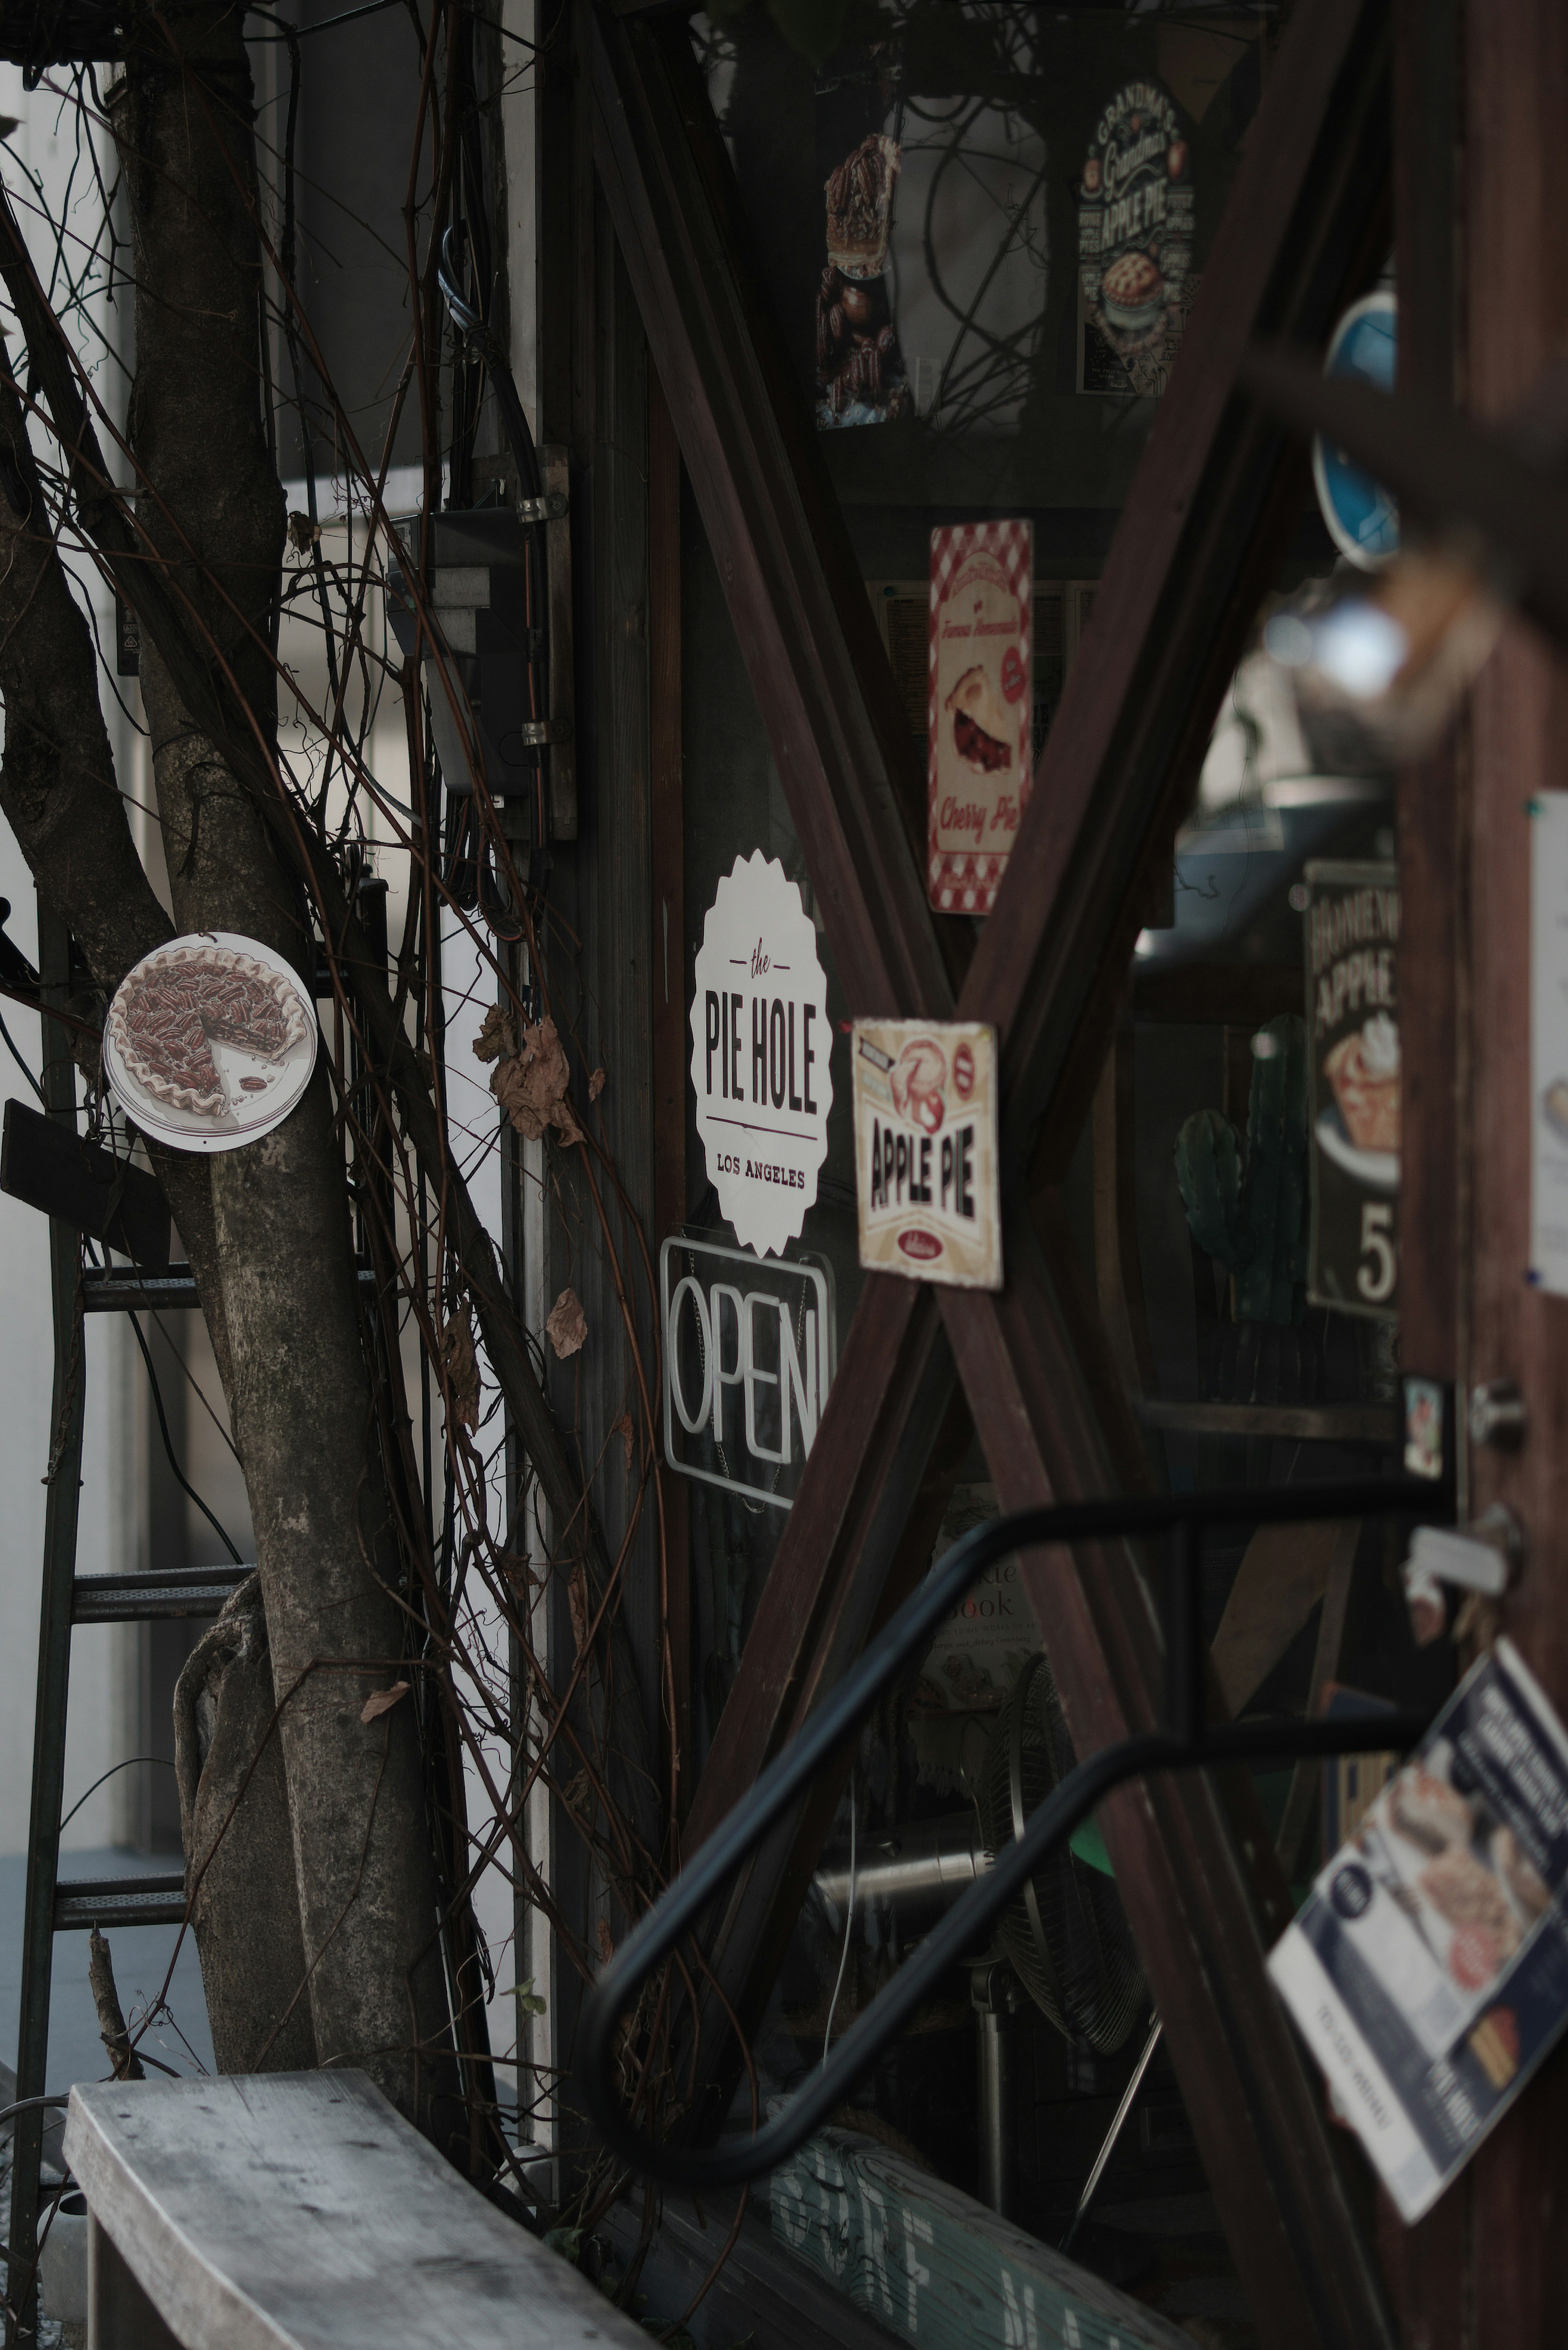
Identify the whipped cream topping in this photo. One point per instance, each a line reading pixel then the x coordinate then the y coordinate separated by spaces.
pixel 1380 1046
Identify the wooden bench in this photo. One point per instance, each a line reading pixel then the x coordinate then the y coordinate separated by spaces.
pixel 300 2211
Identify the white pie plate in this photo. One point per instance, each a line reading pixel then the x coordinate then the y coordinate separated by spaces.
pixel 1379 1169
pixel 250 1116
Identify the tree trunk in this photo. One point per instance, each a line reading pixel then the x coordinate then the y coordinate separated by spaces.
pixel 239 1845
pixel 299 1386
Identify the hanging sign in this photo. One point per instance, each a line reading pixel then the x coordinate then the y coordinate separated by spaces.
pixel 749 1356
pixel 927 1192
pixel 1135 244
pixel 981 710
pixel 759 1057
pixel 1549 1042
pixel 1352 931
pixel 1427 1972
pixel 1360 516
pixel 210 1042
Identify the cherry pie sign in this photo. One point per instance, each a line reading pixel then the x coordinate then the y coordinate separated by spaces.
pixel 210 1042
pixel 980 707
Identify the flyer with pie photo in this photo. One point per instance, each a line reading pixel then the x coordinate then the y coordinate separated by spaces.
pixel 1427 1972
pixel 980 724
pixel 210 1042
pixel 927 1190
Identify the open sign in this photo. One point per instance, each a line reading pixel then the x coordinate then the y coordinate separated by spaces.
pixel 749 1356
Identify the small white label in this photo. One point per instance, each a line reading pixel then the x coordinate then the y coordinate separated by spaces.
pixel 1549 1042
pixel 926 1183
pixel 761 1065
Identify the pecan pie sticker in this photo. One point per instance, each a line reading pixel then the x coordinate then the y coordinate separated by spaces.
pixel 210 1042
pixel 980 707
pixel 1135 241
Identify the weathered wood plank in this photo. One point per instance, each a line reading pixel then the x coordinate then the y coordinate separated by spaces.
pixel 1514 245
pixel 300 2211
pixel 1283 1573
pixel 1426 127
pixel 935 2266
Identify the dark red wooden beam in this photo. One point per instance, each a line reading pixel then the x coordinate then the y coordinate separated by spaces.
pixel 1171 616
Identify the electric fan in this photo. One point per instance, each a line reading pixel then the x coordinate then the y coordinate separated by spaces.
pixel 1067 1934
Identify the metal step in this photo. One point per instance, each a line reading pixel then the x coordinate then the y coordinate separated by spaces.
pixel 82 1902
pixel 142 1599
pixel 124 1288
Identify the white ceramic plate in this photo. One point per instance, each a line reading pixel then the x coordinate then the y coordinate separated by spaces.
pixel 1378 1169
pixel 250 1108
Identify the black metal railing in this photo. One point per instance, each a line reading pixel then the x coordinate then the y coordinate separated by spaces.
pixel 1186 1744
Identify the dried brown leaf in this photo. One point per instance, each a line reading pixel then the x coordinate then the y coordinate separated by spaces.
pixel 566 1325
pixel 577 1601
pixel 381 1702
pixel 626 1433
pixel 460 1367
pixel 595 1085
pixel 606 1941
pixel 498 1038
pixel 531 1086
pixel 303 533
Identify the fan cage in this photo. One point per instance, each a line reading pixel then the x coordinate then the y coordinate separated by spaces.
pixel 1070 1944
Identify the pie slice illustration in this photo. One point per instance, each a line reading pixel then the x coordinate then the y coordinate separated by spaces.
pixel 1364 1071
pixel 981 724
pixel 173 1007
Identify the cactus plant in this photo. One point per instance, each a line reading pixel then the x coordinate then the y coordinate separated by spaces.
pixel 1252 1216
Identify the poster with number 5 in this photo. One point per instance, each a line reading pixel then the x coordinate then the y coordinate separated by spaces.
pixel 1352 927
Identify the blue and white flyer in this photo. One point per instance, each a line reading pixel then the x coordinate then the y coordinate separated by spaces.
pixel 1427 1972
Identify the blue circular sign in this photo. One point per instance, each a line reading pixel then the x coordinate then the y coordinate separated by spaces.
pixel 1363 520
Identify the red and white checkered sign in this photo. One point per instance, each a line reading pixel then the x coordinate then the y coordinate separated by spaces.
pixel 987 636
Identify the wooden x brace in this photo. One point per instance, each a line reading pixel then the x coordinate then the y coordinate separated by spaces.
pixel 1211 510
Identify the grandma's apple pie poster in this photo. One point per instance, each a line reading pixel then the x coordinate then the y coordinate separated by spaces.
pixel 981 708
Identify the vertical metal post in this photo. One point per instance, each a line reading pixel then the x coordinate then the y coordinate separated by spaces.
pixel 63 1478
pixel 994 1996
pixel 1184 1705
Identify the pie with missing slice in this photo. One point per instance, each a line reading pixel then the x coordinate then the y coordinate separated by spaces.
pixel 171 1009
pixel 980 722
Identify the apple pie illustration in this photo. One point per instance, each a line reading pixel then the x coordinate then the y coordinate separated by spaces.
pixel 1469 1897
pixel 1133 292
pixel 918 1083
pixel 980 725
pixel 1364 1071
pixel 171 1009
pixel 1430 1813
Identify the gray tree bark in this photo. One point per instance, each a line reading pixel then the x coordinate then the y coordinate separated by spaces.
pixel 299 1386
pixel 239 1844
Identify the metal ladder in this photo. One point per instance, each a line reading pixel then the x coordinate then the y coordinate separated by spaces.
pixel 69 1599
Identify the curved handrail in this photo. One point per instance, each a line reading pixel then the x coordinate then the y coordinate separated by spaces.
pixel 1187 1746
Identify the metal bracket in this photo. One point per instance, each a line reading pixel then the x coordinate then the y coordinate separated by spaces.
pixel 537 734
pixel 553 461
pixel 550 507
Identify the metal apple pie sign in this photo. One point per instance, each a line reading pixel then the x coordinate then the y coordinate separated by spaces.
pixel 210 1042
pixel 927 1186
pixel 1134 234
pixel 760 1054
